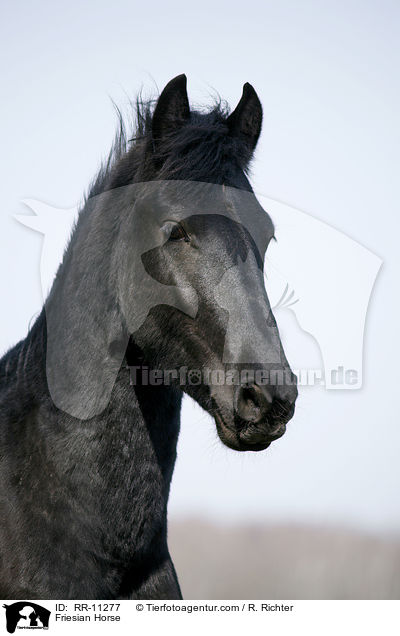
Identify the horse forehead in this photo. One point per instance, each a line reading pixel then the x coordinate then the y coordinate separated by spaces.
pixel 244 208
pixel 236 204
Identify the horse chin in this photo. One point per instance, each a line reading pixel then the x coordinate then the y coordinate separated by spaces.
pixel 249 438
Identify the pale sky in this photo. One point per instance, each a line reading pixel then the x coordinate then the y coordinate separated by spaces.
pixel 327 76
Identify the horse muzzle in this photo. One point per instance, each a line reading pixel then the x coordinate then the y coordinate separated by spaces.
pixel 260 415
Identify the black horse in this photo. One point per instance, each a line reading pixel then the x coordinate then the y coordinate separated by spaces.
pixel 160 291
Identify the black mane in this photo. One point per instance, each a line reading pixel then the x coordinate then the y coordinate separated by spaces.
pixel 201 150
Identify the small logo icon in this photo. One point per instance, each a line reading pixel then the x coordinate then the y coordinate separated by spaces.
pixel 26 615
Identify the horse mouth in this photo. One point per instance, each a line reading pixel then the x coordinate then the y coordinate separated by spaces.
pixel 247 436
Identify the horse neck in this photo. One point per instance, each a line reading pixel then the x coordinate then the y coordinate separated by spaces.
pixel 86 333
pixel 84 287
pixel 85 339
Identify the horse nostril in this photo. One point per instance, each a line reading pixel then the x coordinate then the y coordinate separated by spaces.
pixel 252 402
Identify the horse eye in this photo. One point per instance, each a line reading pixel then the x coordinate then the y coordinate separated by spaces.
pixel 175 232
pixel 178 234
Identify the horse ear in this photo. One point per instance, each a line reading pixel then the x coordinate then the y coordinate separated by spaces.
pixel 172 108
pixel 245 121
